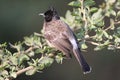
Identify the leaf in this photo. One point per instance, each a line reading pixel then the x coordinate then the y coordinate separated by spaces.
pixel 17 46
pixel 3 45
pixel 118 14
pixel 110 1
pixel 69 17
pixel 1 78
pixel 111 47
pixel 112 24
pixel 92 27
pixel 97 48
pixel 75 4
pixel 31 53
pixel 4 72
pixel 41 66
pixel 22 58
pixel 14 60
pixel 38 50
pixel 113 12
pixel 99 35
pixel 110 37
pixel 84 46
pixel 13 74
pixel 93 9
pixel 59 58
pixel 68 14
pixel 117 40
pixel 46 61
pixel 118 30
pixel 31 71
pixel 105 34
pixel 97 18
pixel 102 45
pixel 89 3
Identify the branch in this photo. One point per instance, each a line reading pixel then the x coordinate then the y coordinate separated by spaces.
pixel 117 22
pixel 96 44
pixel 20 72
pixel 24 70
pixel 93 43
pixel 28 50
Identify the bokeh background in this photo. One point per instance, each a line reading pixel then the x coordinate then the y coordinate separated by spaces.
pixel 19 18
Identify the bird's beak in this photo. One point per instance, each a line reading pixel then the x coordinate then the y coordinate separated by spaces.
pixel 42 14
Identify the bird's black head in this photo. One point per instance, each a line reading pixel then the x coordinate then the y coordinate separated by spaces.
pixel 51 14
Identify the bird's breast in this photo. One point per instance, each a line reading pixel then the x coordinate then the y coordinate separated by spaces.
pixel 54 30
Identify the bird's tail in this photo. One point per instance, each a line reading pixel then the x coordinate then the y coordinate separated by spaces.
pixel 85 67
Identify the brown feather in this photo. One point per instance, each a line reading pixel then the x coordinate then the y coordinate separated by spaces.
pixel 54 33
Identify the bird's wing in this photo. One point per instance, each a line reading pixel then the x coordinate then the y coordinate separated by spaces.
pixel 56 37
pixel 63 45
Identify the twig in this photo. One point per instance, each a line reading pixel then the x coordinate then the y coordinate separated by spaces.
pixel 24 70
pixel 117 22
pixel 29 49
pixel 20 72
pixel 93 43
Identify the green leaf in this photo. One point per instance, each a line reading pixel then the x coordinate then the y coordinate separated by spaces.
pixel 113 12
pixel 106 43
pixel 31 71
pixel 99 35
pixel 1 78
pixel 84 46
pixel 97 48
pixel 38 50
pixel 14 60
pixel 3 45
pixel 89 3
pixel 4 73
pixel 112 24
pixel 111 47
pixel 69 17
pixel 117 40
pixel 110 1
pixel 117 5
pixel 13 74
pixel 31 53
pixel 118 30
pixel 22 58
pixel 92 27
pixel 118 14
pixel 59 58
pixel 97 18
pixel 93 9
pixel 17 46
pixel 41 66
pixel 105 34
pixel 75 4
pixel 110 37
pixel 102 45
pixel 46 61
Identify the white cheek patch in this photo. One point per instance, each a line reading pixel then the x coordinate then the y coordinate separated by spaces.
pixel 74 44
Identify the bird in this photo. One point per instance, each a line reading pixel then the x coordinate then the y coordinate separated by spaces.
pixel 60 36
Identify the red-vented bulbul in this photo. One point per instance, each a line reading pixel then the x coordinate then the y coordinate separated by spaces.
pixel 59 35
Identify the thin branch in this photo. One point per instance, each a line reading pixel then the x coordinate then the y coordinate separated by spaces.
pixel 108 28
pixel 20 72
pixel 117 22
pixel 93 43
pixel 29 49
pixel 24 70
pixel 96 44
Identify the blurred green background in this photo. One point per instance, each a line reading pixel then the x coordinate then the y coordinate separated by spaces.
pixel 19 18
